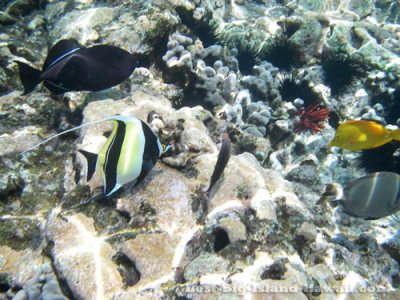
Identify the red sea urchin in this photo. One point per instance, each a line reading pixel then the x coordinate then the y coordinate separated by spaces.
pixel 311 117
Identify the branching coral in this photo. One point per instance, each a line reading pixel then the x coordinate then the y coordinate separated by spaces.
pixel 311 118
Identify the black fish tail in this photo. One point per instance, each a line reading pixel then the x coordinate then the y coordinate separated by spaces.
pixel 30 77
pixel 91 163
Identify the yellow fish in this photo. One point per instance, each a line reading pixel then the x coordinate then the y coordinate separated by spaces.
pixel 359 135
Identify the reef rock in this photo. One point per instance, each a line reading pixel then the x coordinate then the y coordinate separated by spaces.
pixel 82 257
pixel 245 69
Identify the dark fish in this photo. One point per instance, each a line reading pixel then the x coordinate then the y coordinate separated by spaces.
pixel 71 67
pixel 222 160
pixel 371 197
pixel 129 153
pixel 331 192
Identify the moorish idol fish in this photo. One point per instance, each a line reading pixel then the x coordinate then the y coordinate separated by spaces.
pixel 72 67
pixel 359 135
pixel 373 196
pixel 129 153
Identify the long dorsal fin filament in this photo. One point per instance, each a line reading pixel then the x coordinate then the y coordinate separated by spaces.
pixel 68 130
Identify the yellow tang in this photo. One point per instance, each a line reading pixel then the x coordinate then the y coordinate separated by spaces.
pixel 359 135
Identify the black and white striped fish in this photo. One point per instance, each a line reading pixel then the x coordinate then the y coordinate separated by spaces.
pixel 129 153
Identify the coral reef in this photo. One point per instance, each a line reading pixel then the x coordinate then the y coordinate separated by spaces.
pixel 268 74
pixel 44 285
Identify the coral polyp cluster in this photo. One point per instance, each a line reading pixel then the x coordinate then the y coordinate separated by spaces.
pixel 311 119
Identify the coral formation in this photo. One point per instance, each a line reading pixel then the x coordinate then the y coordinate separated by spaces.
pixel 261 71
pixel 44 285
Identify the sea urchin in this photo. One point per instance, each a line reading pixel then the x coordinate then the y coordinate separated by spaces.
pixel 341 70
pixel 283 53
pixel 311 118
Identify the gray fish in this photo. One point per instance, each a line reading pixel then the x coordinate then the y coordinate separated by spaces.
pixel 371 197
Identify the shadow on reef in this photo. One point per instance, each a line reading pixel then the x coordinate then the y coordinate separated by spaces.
pixel 127 269
pixel 221 239
pixel 391 103
pixel 385 158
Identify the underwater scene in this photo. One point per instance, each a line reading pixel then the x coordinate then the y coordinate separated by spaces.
pixel 206 149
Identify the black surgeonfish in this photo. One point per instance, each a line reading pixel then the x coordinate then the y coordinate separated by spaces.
pixel 129 153
pixel 72 67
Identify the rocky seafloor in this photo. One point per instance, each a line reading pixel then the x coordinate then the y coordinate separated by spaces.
pixel 207 66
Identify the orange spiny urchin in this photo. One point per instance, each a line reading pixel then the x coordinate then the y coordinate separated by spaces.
pixel 311 117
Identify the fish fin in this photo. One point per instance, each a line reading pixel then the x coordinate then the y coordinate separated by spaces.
pixel 116 187
pixel 373 121
pixel 371 218
pixel 349 212
pixel 66 131
pixel 107 134
pixel 60 50
pixel 167 150
pixel 137 181
pixel 396 134
pixel 54 88
pixel 30 77
pixel 91 163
